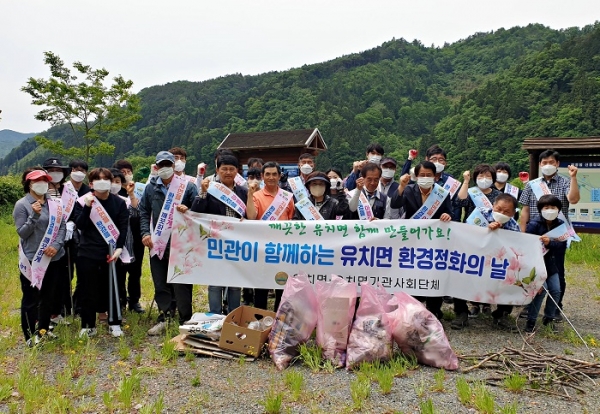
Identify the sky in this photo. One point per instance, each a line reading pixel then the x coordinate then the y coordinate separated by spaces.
pixel 156 42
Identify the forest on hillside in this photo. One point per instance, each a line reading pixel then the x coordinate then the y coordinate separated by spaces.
pixel 478 98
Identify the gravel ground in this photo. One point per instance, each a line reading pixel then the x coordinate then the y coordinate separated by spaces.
pixel 231 386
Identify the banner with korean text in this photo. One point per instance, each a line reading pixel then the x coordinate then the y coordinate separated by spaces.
pixel 419 257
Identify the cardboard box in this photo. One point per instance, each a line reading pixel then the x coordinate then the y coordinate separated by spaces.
pixel 236 336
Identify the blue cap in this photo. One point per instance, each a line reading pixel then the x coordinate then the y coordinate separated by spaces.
pixel 165 156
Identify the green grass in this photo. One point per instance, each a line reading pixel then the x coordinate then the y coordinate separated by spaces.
pixel 515 382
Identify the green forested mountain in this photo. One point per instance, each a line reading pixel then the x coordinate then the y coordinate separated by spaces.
pixel 478 97
pixel 10 139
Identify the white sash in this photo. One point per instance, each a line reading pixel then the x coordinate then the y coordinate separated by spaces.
pixel 24 265
pixel 239 180
pixel 477 218
pixel 138 190
pixel 540 188
pixel 68 198
pixel 308 210
pixel 432 204
pixel 164 225
pixel 479 199
pixel 278 206
pixel 298 188
pixel 560 233
pixel 512 190
pixel 365 211
pixel 107 228
pixel 227 197
pixel 451 185
pixel 40 261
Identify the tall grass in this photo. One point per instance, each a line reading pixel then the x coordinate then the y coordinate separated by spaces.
pixel 585 251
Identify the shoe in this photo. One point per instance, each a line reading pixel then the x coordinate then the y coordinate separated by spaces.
pixel 59 320
pixel 33 341
pixel 487 309
pixel 136 307
pixel 460 321
pixel 505 323
pixel 558 318
pixel 115 331
pixel 448 299
pixel 549 322
pixel 87 332
pixel 158 329
pixel 530 326
pixel 474 312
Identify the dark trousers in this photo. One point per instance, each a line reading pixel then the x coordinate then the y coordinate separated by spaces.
pixel 133 293
pixel 95 287
pixel 563 286
pixel 433 304
pixel 460 306
pixel 261 297
pixel 62 304
pixel 37 304
pixel 167 293
pixel 502 310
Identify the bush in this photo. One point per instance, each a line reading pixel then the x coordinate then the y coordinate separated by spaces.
pixel 10 190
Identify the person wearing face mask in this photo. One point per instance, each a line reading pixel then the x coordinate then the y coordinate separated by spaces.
pixel 566 189
pixel 331 207
pixel 32 215
pixel 499 216
pixel 215 199
pixel 306 165
pixel 388 185
pixel 151 205
pixel 412 197
pixel 374 203
pixel 373 155
pixel 438 157
pixel 93 256
pixel 132 272
pixel 180 162
pixel 482 195
pixel 59 173
pixel 548 207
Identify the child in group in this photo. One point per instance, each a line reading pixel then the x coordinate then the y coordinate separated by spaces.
pixel 548 206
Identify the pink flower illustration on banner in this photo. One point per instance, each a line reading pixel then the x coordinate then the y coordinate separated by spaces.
pixel 492 297
pixel 511 278
pixel 500 253
pixel 477 298
pixel 514 264
pixel 517 253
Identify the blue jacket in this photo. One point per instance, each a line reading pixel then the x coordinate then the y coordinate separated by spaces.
pixel 555 258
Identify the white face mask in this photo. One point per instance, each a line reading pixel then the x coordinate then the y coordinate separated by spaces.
pixel 387 173
pixel 375 159
pixel 439 167
pixel 484 183
pixel 56 176
pixel 306 169
pixel 501 177
pixel 165 172
pixel 179 165
pixel 548 170
pixel 317 190
pixel 101 185
pixel 550 214
pixel 500 218
pixel 39 187
pixel 129 178
pixel 425 182
pixel 77 176
pixel 115 188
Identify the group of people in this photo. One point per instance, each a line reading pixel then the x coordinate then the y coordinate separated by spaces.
pixel 100 231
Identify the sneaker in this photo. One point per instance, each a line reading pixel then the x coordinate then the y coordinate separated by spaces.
pixel 87 332
pixel 59 320
pixel 474 312
pixel 460 321
pixel 158 329
pixel 136 307
pixel 33 341
pixel 558 318
pixel 524 313
pixel 505 323
pixel 530 326
pixel 115 330
pixel 487 309
pixel 449 300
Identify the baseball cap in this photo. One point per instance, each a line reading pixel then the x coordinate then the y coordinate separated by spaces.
pixel 165 156
pixel 37 174
pixel 388 160
pixel 53 163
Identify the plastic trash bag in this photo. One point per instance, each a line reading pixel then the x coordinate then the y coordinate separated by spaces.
pixel 371 334
pixel 336 306
pixel 295 321
pixel 418 332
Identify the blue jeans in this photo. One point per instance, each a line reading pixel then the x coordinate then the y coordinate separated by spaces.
pixel 553 285
pixel 215 298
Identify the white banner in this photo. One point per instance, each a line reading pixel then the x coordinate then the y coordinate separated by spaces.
pixel 419 257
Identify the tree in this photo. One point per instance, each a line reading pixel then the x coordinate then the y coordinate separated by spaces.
pixel 89 107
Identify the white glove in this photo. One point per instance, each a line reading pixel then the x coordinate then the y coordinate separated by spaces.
pixel 89 198
pixel 70 228
pixel 116 255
